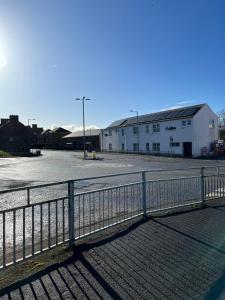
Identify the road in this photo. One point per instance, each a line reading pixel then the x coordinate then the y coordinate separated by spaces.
pixel 64 165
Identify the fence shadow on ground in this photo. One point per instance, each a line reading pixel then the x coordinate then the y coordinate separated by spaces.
pixel 179 256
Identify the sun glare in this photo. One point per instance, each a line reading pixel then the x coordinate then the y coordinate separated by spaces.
pixel 3 61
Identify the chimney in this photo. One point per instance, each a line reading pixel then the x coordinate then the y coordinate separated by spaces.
pixel 3 121
pixel 14 118
pixel 34 126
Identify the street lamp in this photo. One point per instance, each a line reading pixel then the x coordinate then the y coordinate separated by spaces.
pixel 135 111
pixel 28 121
pixel 29 132
pixel 84 137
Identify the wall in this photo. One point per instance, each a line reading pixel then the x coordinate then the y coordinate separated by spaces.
pixel 179 135
pixel 203 135
pixel 198 133
pixel 76 143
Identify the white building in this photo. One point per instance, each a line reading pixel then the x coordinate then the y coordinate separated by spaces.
pixel 186 131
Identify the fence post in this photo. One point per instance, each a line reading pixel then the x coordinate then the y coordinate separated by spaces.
pixel 144 193
pixel 202 185
pixel 218 171
pixel 71 213
pixel 28 196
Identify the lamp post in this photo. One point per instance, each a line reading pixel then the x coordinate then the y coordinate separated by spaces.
pixel 135 111
pixel 28 123
pixel 84 137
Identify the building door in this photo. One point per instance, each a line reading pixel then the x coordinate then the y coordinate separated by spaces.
pixel 187 149
pixel 135 147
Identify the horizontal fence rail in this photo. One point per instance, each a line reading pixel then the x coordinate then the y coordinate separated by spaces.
pixel 100 209
pixel 44 216
pixel 30 230
pixel 166 194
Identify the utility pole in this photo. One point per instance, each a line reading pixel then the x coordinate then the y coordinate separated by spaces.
pixel 84 137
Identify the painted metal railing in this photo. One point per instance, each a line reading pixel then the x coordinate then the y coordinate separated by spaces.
pixel 214 187
pixel 51 214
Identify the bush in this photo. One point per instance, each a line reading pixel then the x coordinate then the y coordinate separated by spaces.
pixel 5 154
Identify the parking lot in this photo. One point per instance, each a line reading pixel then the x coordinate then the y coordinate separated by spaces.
pixel 64 165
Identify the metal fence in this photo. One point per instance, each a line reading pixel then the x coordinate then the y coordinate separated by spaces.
pixel 44 216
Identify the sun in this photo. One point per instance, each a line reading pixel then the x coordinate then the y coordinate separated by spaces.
pixel 3 61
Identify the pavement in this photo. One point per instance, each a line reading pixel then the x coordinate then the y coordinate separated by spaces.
pixel 180 256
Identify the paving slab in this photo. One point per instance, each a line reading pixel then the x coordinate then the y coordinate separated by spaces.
pixel 180 256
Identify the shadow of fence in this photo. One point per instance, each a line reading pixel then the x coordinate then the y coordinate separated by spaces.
pixel 175 257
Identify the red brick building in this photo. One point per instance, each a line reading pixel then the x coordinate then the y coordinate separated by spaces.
pixel 14 136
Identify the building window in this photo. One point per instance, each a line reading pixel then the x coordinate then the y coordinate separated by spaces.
pixel 122 132
pixel 110 147
pixel 110 132
pixel 185 123
pixel 174 144
pixel 156 127
pixel 188 122
pixel 156 147
pixel 147 147
pixel 123 148
pixel 135 130
pixel 135 147
pixel 211 124
pixel 147 128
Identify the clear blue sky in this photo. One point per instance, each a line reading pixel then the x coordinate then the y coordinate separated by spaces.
pixel 124 54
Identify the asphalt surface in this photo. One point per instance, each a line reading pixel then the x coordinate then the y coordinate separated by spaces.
pixel 64 165
pixel 54 166
pixel 175 257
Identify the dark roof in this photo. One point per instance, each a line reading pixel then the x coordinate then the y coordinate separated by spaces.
pixel 88 132
pixel 172 114
pixel 60 129
pixel 12 122
pixel 46 131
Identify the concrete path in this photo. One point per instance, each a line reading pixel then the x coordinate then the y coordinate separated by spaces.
pixel 174 257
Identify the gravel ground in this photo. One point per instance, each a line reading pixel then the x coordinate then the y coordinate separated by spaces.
pixel 176 257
